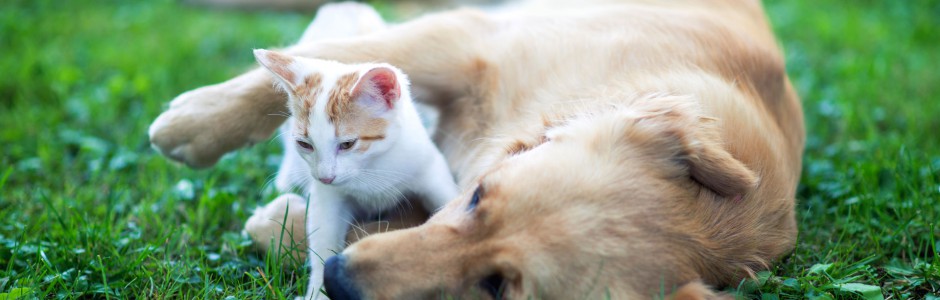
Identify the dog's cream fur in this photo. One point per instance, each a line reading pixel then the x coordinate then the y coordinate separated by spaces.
pixel 623 147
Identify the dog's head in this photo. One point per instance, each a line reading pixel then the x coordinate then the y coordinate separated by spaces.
pixel 590 207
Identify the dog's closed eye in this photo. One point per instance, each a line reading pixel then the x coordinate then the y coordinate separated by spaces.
pixel 475 200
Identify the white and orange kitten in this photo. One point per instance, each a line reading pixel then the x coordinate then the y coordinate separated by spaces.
pixel 357 129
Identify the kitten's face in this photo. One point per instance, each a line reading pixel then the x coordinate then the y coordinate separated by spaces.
pixel 343 115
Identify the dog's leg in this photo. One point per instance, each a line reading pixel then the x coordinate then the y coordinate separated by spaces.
pixel 203 124
pixel 438 52
pixel 441 53
pixel 280 224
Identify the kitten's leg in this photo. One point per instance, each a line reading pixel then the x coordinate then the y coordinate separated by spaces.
pixel 435 185
pixel 440 53
pixel 328 220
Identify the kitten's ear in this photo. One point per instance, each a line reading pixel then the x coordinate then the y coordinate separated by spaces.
pixel 379 86
pixel 278 64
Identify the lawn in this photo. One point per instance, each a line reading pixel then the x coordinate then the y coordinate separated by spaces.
pixel 87 209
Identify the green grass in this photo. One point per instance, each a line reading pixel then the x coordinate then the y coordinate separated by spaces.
pixel 88 210
pixel 868 209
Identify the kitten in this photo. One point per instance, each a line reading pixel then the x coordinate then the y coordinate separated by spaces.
pixel 357 129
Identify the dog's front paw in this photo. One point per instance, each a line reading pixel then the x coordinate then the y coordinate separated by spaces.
pixel 203 124
pixel 280 226
pixel 182 134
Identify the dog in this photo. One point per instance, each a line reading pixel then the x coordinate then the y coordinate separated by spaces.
pixel 618 149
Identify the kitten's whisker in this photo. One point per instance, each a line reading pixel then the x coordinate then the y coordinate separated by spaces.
pixel 388 176
pixel 383 187
pixel 401 206
pixel 271 178
pixel 292 175
pixel 380 171
pixel 389 189
pixel 389 183
pixel 277 137
pixel 282 113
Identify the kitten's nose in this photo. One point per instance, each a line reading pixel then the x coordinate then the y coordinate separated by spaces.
pixel 327 180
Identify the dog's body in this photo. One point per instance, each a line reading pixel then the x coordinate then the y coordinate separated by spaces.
pixel 620 149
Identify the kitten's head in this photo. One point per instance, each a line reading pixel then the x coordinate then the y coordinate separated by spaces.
pixel 344 115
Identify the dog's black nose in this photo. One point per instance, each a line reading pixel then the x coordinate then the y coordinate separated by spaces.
pixel 337 282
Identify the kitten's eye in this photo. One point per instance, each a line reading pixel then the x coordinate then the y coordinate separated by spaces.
pixel 347 144
pixel 475 200
pixel 305 145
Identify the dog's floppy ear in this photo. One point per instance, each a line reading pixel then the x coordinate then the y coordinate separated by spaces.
pixel 681 132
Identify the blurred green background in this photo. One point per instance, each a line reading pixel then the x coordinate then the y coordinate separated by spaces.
pixel 87 209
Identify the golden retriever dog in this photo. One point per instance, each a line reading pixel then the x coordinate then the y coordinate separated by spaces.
pixel 606 149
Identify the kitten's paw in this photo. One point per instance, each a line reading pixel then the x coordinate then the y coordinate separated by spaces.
pixel 203 124
pixel 281 225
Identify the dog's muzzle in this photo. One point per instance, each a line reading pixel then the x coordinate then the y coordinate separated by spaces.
pixel 337 282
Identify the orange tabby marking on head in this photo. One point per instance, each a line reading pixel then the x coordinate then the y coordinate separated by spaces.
pixel 369 131
pixel 350 118
pixel 372 137
pixel 340 98
pixel 357 121
pixel 310 88
pixel 306 95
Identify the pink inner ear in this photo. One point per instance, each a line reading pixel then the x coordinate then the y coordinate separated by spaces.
pixel 384 85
